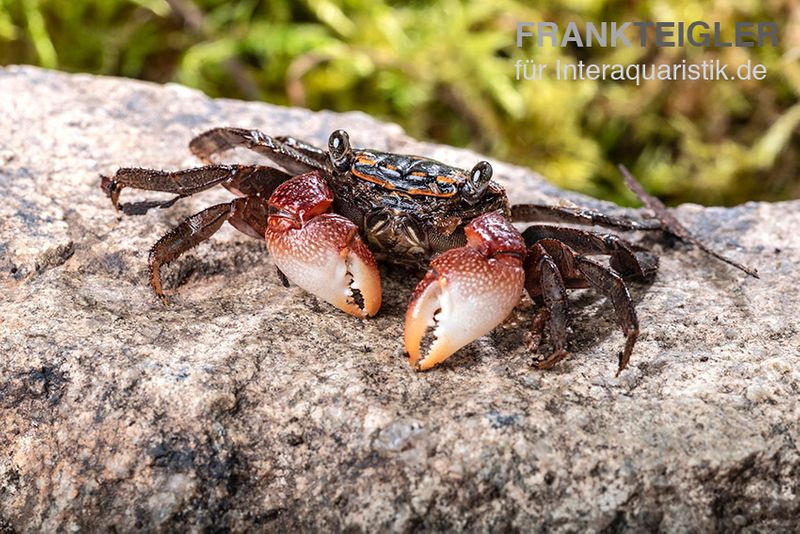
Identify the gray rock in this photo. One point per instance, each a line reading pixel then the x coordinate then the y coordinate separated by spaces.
pixel 247 405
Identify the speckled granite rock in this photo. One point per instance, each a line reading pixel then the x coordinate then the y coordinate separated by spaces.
pixel 248 405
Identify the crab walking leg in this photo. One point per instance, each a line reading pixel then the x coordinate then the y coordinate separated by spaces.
pixel 613 287
pixel 673 225
pixel 240 179
pixel 539 213
pixel 246 214
pixel 467 291
pixel 577 271
pixel 186 235
pixel 321 251
pixel 543 278
pixel 626 258
pixel 291 154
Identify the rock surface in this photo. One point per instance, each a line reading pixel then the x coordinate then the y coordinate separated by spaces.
pixel 247 405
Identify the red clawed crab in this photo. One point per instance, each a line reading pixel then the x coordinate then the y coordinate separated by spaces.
pixel 328 215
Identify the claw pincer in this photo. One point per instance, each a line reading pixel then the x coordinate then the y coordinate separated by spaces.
pixel 321 251
pixel 467 291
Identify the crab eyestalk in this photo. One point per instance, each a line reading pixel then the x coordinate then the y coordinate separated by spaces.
pixel 477 182
pixel 321 251
pixel 467 291
pixel 340 151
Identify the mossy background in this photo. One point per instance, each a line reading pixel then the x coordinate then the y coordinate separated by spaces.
pixel 445 71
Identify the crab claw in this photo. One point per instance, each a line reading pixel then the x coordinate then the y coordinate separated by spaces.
pixel 320 251
pixel 467 291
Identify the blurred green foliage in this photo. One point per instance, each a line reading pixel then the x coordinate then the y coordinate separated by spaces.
pixel 445 71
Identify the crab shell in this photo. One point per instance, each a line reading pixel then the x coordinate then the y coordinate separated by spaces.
pixel 408 208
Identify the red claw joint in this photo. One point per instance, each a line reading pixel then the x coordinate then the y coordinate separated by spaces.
pixel 467 291
pixel 321 251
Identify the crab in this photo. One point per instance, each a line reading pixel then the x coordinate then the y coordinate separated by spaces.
pixel 329 215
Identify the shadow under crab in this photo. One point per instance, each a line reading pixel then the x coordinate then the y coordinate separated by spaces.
pixel 329 215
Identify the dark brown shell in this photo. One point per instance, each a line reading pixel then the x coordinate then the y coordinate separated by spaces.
pixel 412 175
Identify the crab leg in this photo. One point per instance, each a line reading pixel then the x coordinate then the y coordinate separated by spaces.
pixel 539 213
pixel 544 272
pixel 291 154
pixel 574 271
pixel 467 291
pixel 321 251
pixel 626 258
pixel 246 214
pixel 256 180
pixel 673 225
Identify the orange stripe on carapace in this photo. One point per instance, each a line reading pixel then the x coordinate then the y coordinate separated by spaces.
pixel 392 187
pixel 383 183
pixel 429 193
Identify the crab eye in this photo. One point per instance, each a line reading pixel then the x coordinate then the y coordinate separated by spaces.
pixel 477 182
pixel 339 150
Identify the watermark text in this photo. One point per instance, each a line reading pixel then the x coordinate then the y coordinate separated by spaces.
pixel 638 72
pixel 660 34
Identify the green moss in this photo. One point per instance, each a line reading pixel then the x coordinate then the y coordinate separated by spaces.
pixel 445 71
